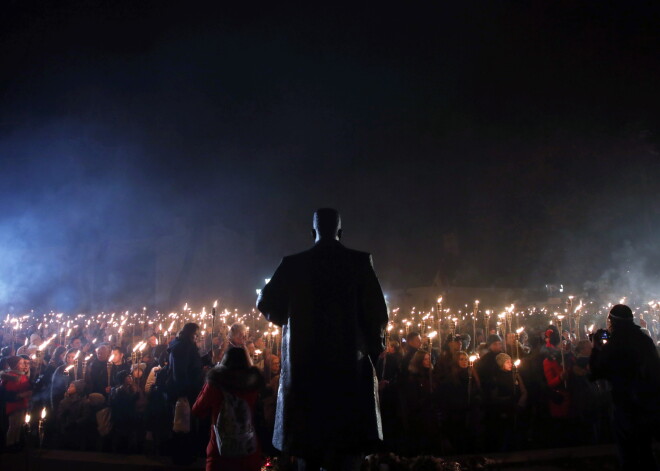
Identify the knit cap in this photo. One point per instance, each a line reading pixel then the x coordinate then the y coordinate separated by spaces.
pixel 492 338
pixel 501 359
pixel 621 312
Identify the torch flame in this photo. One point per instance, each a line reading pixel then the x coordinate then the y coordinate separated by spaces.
pixel 112 357
pixel 433 334
pixel 43 346
pixel 517 363
pixel 27 418
pixel 43 413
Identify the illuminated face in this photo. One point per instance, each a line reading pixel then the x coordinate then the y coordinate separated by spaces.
pixel 238 338
pixel 118 357
pixel 275 365
pixel 137 373
pixel 496 346
pixel 103 353
pixel 463 361
pixel 153 341
pixel 508 365
pixel 70 357
pixel 71 389
pixel 415 342
pixel 24 365
pixel 427 361
pixel 76 343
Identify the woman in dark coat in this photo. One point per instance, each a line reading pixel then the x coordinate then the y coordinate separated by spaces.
pixel 419 416
pixel 235 376
pixel 62 377
pixel 459 397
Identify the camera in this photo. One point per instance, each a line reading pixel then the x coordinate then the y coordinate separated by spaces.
pixel 601 336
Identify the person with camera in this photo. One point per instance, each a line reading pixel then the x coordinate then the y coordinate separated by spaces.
pixel 626 357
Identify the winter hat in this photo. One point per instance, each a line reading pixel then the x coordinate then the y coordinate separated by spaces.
pixel 96 399
pixel 79 385
pixel 501 359
pixel 34 337
pixel 138 366
pixel 621 312
pixel 492 338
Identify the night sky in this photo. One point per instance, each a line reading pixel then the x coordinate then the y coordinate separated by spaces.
pixel 471 143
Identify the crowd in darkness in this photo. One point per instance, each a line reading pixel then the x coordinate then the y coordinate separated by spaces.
pixel 440 401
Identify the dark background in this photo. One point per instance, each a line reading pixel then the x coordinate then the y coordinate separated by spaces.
pixel 160 152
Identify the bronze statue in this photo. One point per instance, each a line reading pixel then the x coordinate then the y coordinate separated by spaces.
pixel 333 314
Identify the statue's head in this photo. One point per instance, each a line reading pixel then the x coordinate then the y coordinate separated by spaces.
pixel 327 224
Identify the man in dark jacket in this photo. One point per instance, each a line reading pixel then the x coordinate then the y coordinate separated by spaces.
pixel 97 372
pixel 629 361
pixel 487 367
pixel 185 364
pixel 327 299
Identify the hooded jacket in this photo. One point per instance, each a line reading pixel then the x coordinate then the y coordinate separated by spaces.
pixel 243 383
pixel 186 366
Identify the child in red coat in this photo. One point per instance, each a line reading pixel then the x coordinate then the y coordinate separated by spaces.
pixel 238 378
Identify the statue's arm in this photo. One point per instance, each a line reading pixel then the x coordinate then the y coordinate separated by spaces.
pixel 374 311
pixel 273 300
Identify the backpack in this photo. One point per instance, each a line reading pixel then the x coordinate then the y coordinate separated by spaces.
pixel 233 428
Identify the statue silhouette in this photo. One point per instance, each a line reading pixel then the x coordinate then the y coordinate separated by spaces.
pixel 333 314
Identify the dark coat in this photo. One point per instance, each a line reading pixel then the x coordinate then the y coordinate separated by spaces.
pixel 186 366
pixel 629 362
pixel 59 384
pixel 96 377
pixel 332 312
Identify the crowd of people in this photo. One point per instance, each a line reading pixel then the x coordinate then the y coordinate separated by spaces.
pixel 463 395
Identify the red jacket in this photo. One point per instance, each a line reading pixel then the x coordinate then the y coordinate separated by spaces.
pixel 15 383
pixel 558 405
pixel 208 403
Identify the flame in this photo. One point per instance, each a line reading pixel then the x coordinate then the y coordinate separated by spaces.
pixel 473 358
pixel 516 363
pixel 27 418
pixel 88 357
pixel 43 413
pixel 43 346
pixel 433 334
pixel 77 355
pixel 439 300
pixel 68 368
pixel 215 304
pixel 112 357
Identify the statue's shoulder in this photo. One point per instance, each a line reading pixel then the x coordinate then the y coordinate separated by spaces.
pixel 358 254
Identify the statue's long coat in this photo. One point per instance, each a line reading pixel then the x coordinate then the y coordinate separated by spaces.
pixel 332 312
